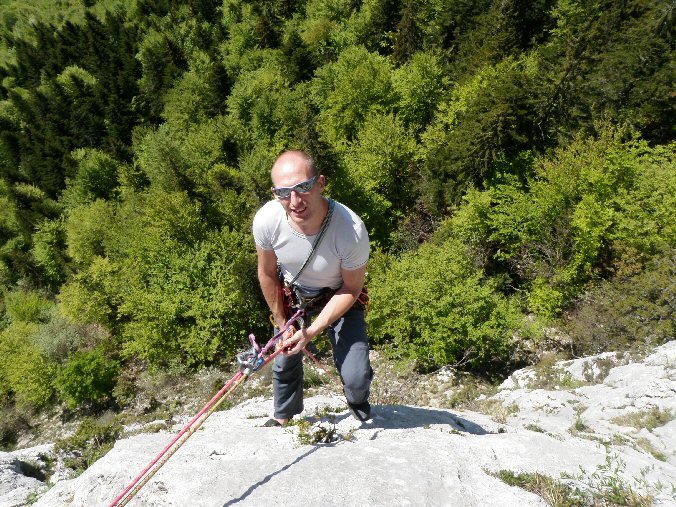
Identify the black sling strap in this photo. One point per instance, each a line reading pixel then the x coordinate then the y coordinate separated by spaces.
pixel 318 239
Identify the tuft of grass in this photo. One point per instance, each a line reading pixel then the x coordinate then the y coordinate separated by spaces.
pixel 496 410
pixel 552 491
pixel 607 486
pixel 648 419
pixel 580 426
pixel 534 427
pixel 647 446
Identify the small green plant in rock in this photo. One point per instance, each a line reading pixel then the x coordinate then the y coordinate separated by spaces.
pixel 91 441
pixel 648 419
pixel 549 376
pixel 607 486
pixel 552 491
pixel 313 378
pixel 534 427
pixel 580 426
pixel 315 430
pixel 595 372
pixel 33 469
pixel 647 446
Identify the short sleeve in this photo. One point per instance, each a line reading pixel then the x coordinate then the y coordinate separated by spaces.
pixel 261 228
pixel 355 253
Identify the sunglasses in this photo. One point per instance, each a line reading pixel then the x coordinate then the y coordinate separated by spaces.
pixel 302 188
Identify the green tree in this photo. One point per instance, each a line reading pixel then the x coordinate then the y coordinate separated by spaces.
pixel 420 85
pixel 488 119
pixel 435 308
pixel 380 163
pixel 347 91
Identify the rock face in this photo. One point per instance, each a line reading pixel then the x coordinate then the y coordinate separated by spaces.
pixel 601 421
pixel 20 475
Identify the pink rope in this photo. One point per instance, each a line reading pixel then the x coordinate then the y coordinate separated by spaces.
pixel 213 400
pixel 186 428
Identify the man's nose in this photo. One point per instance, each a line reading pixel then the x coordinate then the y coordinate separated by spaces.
pixel 295 197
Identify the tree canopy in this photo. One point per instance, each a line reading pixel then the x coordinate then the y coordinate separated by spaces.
pixel 506 157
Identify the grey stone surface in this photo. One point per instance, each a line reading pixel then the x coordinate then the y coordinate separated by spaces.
pixel 579 427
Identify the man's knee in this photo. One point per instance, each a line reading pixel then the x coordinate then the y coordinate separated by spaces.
pixel 287 368
pixel 357 378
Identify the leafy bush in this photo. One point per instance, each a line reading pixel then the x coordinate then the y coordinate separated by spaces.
pixel 58 338
pixel 91 441
pixel 596 207
pixel 25 374
pixel 87 228
pixel 87 377
pixel 435 307
pixel 379 164
pixel 90 296
pixel 12 422
pixel 620 314
pixel 198 308
pixel 49 243
pixel 346 91
pixel 96 177
pixel 26 306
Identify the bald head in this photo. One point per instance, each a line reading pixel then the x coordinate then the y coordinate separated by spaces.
pixel 294 161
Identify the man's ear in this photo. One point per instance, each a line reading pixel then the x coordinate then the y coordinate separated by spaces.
pixel 322 180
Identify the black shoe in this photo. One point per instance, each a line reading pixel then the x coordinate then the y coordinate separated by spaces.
pixel 272 423
pixel 361 411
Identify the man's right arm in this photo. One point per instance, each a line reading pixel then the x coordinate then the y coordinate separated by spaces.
pixel 270 284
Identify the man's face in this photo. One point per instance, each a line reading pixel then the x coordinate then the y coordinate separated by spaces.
pixel 300 207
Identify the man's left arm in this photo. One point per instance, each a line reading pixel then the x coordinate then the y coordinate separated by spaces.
pixel 337 306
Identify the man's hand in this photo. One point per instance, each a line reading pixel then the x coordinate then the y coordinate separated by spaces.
pixel 298 341
pixel 281 343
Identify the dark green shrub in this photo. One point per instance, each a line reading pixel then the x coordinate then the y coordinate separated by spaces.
pixel 622 314
pixel 87 377
pixel 92 440
pixel 12 421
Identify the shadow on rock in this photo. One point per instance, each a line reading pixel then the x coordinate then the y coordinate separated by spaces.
pixel 267 478
pixel 404 417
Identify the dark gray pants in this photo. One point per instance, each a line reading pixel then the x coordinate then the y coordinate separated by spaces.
pixel 350 355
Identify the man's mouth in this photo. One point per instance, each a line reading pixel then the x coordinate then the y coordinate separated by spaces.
pixel 299 211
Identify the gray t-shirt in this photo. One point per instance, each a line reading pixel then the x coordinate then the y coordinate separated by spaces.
pixel 345 245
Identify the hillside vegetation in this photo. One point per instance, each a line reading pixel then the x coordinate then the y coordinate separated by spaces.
pixel 513 162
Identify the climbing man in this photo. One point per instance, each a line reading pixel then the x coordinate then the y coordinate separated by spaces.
pixel 313 251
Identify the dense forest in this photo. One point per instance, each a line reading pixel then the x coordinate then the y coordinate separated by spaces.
pixel 513 162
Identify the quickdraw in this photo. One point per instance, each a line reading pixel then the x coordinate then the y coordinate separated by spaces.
pixel 250 361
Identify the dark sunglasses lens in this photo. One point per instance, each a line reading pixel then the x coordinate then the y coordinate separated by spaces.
pixel 304 187
pixel 301 188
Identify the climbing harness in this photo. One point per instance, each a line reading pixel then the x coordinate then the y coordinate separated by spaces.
pixel 249 362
